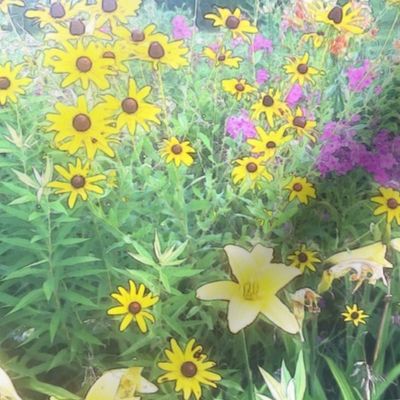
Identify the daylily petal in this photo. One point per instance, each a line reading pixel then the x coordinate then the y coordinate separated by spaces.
pixel 223 290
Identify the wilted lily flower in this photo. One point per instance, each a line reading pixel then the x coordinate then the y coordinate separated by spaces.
pixel 304 299
pixel 364 264
pixel 120 384
pixel 7 390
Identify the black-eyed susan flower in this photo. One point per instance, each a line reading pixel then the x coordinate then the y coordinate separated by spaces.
pixel 78 182
pixel 157 49
pixel 134 304
pixel 133 109
pixel 4 4
pixel 234 22
pixel 237 87
pixel 120 383
pixel 251 170
pixel 81 63
pixel 302 125
pixel 267 143
pixel 115 11
pixel 177 151
pixel 301 189
pixel 271 105
pixel 11 84
pixel 316 38
pixel 59 11
pixel 189 368
pixel 134 37
pixel 304 258
pixel 346 18
pixel 389 204
pixel 355 315
pixel 300 70
pixel 118 53
pixel 258 280
pixel 222 57
pixel 78 127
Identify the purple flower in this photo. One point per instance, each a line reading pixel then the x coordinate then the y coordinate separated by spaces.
pixel 360 78
pixel 240 126
pixel 295 95
pixel 261 43
pixel 181 28
pixel 262 76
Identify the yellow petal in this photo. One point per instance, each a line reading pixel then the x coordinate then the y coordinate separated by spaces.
pixel 241 313
pixel 7 388
pixel 106 387
pixel 223 290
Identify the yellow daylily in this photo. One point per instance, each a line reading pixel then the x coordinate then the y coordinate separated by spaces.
pixel 7 389
pixel 365 263
pixel 254 292
pixel 120 384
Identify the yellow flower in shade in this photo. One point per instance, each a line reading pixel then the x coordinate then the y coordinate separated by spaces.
pixel 222 57
pixel 78 182
pixel 10 84
pixel 254 291
pixel 81 63
pixel 7 389
pixel 132 110
pixel 237 87
pixel 115 11
pixel 301 189
pixel 301 124
pixel 112 178
pixel 233 21
pixel 271 105
pixel 365 264
pixel 251 170
pixel 300 70
pixel 177 152
pixel 118 54
pixel 77 127
pixel 355 315
pixel 189 368
pixel 268 143
pixel 133 305
pixel 304 299
pixel 118 384
pixel 317 38
pixel 157 49
pixel 59 11
pixel 389 203
pixel 4 4
pixel 345 18
pixel 132 38
pixel 393 2
pixel 304 258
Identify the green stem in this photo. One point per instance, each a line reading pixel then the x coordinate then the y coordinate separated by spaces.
pixel 248 369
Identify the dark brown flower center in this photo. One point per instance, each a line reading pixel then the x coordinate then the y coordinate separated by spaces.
pixel 109 54
pixel 137 35
pixel 84 64
pixel 156 50
pixel 297 187
pixel 109 5
pixel 81 123
pixel 321 33
pixel 251 167
pixel 392 204
pixel 354 315
pixel 189 369
pixel 270 145
pixel 4 83
pixel 134 307
pixel 336 15
pixel 302 69
pixel 239 87
pixel 77 28
pixel 221 58
pixel 129 105
pixel 300 122
pixel 57 10
pixel 302 257
pixel 78 181
pixel 176 149
pixel 267 101
pixel 232 22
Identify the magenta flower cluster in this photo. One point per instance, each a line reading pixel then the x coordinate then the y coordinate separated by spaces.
pixel 240 126
pixel 360 77
pixel 181 28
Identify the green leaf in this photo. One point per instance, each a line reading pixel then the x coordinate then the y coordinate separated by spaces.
pixel 31 298
pixel 300 377
pixel 50 390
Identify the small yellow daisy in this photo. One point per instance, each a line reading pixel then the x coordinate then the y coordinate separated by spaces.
pixel 317 38
pixel 177 152
pixel 237 87
pixel 301 189
pixel 300 70
pixel 250 169
pixel 133 305
pixel 222 57
pixel 389 203
pixel 10 84
pixel 301 124
pixel 304 258
pixel 354 315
